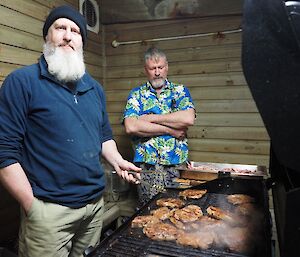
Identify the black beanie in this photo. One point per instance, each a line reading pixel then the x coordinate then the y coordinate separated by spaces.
pixel 70 13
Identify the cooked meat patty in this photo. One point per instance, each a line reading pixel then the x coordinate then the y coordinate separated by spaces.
pixel 202 240
pixel 192 193
pixel 160 231
pixel 178 223
pixel 217 213
pixel 141 221
pixel 162 213
pixel 170 202
pixel 208 223
pixel 231 218
pixel 240 199
pixel 189 213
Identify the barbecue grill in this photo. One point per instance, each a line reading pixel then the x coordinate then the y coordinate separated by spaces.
pixel 128 241
pixel 271 64
pixel 286 195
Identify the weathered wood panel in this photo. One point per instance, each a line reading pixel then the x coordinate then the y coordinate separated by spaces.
pixel 22 39
pixel 251 133
pixel 203 41
pixel 163 29
pixel 229 158
pixel 229 146
pixel 190 80
pixel 204 106
pixel 205 93
pixel 180 68
pixel 28 7
pixel 6 68
pixel 213 119
pixel 189 54
pixel 21 21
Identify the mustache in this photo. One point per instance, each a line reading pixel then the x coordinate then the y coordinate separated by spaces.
pixel 66 44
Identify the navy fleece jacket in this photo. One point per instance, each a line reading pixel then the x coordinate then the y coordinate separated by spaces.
pixel 55 134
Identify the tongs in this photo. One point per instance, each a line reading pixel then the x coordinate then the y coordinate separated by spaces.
pixel 146 183
pixel 169 185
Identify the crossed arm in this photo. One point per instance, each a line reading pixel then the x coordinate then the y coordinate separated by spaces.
pixel 174 124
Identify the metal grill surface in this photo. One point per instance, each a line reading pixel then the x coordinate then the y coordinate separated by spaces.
pixel 127 241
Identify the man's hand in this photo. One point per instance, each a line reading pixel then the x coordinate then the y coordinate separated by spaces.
pixel 16 182
pixel 122 168
pixel 178 133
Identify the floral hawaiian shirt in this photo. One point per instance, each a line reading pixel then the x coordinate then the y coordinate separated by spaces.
pixel 164 149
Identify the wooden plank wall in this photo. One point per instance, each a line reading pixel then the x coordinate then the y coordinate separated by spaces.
pixel 21 41
pixel 228 126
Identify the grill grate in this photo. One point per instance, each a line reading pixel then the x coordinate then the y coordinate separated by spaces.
pixel 138 247
pixel 131 242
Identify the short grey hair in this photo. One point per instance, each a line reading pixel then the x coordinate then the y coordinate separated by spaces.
pixel 154 53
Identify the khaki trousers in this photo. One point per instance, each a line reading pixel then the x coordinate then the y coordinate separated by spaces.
pixel 53 230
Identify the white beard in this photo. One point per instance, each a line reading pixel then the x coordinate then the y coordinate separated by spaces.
pixel 65 66
pixel 157 83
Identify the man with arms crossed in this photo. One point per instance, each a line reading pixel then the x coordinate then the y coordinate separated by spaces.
pixel 157 115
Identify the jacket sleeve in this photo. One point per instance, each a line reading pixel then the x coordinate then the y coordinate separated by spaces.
pixel 106 128
pixel 14 98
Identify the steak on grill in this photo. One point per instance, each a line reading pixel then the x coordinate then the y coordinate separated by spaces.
pixel 162 213
pixel 192 193
pixel 141 221
pixel 237 199
pixel 160 231
pixel 170 202
pixel 189 213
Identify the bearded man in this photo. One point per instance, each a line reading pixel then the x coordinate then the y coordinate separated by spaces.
pixel 157 115
pixel 53 129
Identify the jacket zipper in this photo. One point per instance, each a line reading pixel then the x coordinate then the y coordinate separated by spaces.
pixel 75 98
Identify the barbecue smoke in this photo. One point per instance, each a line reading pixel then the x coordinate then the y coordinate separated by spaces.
pixel 238 232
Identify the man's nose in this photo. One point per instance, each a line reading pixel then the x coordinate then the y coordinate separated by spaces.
pixel 157 73
pixel 67 35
